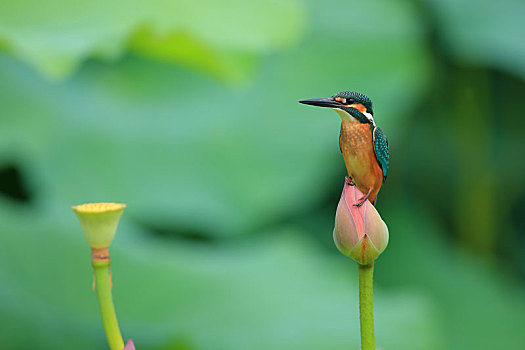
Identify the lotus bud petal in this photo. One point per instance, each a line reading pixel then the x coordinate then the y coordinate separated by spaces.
pixel 359 232
pixel 129 345
pixel 99 222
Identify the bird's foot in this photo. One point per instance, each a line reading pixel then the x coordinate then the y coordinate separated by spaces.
pixel 363 199
pixel 349 181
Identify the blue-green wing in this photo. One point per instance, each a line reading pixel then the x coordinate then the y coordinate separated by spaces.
pixel 381 150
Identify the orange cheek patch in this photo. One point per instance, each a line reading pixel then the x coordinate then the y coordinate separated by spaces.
pixel 358 106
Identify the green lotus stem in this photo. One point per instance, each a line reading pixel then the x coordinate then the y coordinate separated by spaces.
pixel 105 302
pixel 366 306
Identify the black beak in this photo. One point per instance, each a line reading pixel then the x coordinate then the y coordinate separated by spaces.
pixel 322 102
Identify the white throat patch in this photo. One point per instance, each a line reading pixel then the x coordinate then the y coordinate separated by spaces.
pixel 344 114
pixel 369 117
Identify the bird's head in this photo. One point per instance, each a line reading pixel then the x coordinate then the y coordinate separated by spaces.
pixel 350 105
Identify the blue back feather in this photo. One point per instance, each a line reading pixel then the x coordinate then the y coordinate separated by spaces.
pixel 381 150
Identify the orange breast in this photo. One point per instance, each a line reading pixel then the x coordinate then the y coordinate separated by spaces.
pixel 355 137
pixel 357 146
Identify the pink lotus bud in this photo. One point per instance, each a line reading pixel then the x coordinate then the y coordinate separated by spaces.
pixel 129 345
pixel 359 232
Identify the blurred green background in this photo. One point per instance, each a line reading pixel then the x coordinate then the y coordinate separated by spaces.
pixel 187 111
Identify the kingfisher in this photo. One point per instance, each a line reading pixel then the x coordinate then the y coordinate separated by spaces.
pixel 363 144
